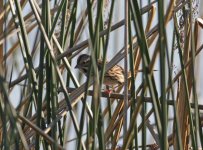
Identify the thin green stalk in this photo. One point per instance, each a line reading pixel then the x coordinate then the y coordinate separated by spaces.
pixel 72 35
pixel 26 53
pixel 162 48
pixel 72 14
pixel 41 77
pixel 67 98
pixel 125 108
pixel 54 23
pixel 144 133
pixel 196 111
pixel 146 61
pixel 176 120
pixel 54 83
pixel 107 42
pixel 131 56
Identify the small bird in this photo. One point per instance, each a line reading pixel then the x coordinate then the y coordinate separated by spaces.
pixel 114 76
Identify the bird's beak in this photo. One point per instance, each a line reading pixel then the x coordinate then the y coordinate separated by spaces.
pixel 77 66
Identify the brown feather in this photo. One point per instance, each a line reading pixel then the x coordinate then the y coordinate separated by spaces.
pixel 113 76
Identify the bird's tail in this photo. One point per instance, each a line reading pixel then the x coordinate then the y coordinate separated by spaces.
pixel 137 71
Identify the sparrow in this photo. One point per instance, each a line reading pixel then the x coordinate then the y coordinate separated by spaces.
pixel 114 76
